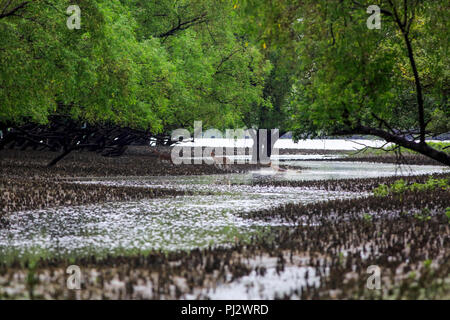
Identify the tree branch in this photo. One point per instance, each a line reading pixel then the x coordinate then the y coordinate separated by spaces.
pixel 420 147
pixel 405 27
pixel 13 11
pixel 383 11
pixel 184 25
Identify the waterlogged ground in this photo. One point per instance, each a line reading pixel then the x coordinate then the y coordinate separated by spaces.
pixel 183 222
pixel 297 170
pixel 267 280
pixel 323 170
pixel 212 216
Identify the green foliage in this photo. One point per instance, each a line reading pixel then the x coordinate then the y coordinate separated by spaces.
pixel 270 26
pixel 447 213
pixel 441 146
pixel 431 184
pixel 424 215
pixel 31 279
pixel 310 66
pixel 351 76
pixel 381 191
pixel 367 217
pixel 155 65
pixel 400 186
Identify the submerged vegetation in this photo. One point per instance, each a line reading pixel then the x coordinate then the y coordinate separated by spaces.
pixel 80 185
pixel 285 248
pixel 397 154
pixel 400 186
pixel 441 146
pixel 328 241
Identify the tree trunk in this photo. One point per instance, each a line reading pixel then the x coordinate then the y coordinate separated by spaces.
pixel 7 138
pixel 263 142
pixel 60 157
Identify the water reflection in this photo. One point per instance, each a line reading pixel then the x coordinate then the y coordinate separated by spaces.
pixel 183 222
pixel 298 170
pixel 322 170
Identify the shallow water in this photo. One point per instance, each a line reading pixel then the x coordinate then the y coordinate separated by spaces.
pixel 323 170
pixel 298 170
pixel 271 285
pixel 310 144
pixel 275 282
pixel 184 222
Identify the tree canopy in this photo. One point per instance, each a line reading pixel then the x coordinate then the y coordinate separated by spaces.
pixel 387 82
pixel 154 65
pixel 312 67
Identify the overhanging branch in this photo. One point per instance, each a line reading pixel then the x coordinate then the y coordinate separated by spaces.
pixel 420 147
pixel 184 25
pixel 12 12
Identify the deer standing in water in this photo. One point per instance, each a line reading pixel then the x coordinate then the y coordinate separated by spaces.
pixel 276 167
pixel 164 156
pixel 273 166
pixel 223 162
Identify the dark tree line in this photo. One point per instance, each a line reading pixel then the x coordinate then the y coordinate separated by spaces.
pixel 64 135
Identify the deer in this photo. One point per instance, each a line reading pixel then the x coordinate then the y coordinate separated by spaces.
pixel 276 167
pixel 163 156
pixel 221 161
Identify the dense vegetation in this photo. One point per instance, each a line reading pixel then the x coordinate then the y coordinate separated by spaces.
pixel 388 82
pixel 145 64
pixel 148 65
pixel 140 227
pixel 139 68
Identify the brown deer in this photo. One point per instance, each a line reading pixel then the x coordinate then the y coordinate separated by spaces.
pixel 163 156
pixel 276 167
pixel 221 161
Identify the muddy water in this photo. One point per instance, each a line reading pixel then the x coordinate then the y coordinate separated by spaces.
pixel 298 169
pixel 168 224
pixel 323 170
pixel 185 222
pixel 209 217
